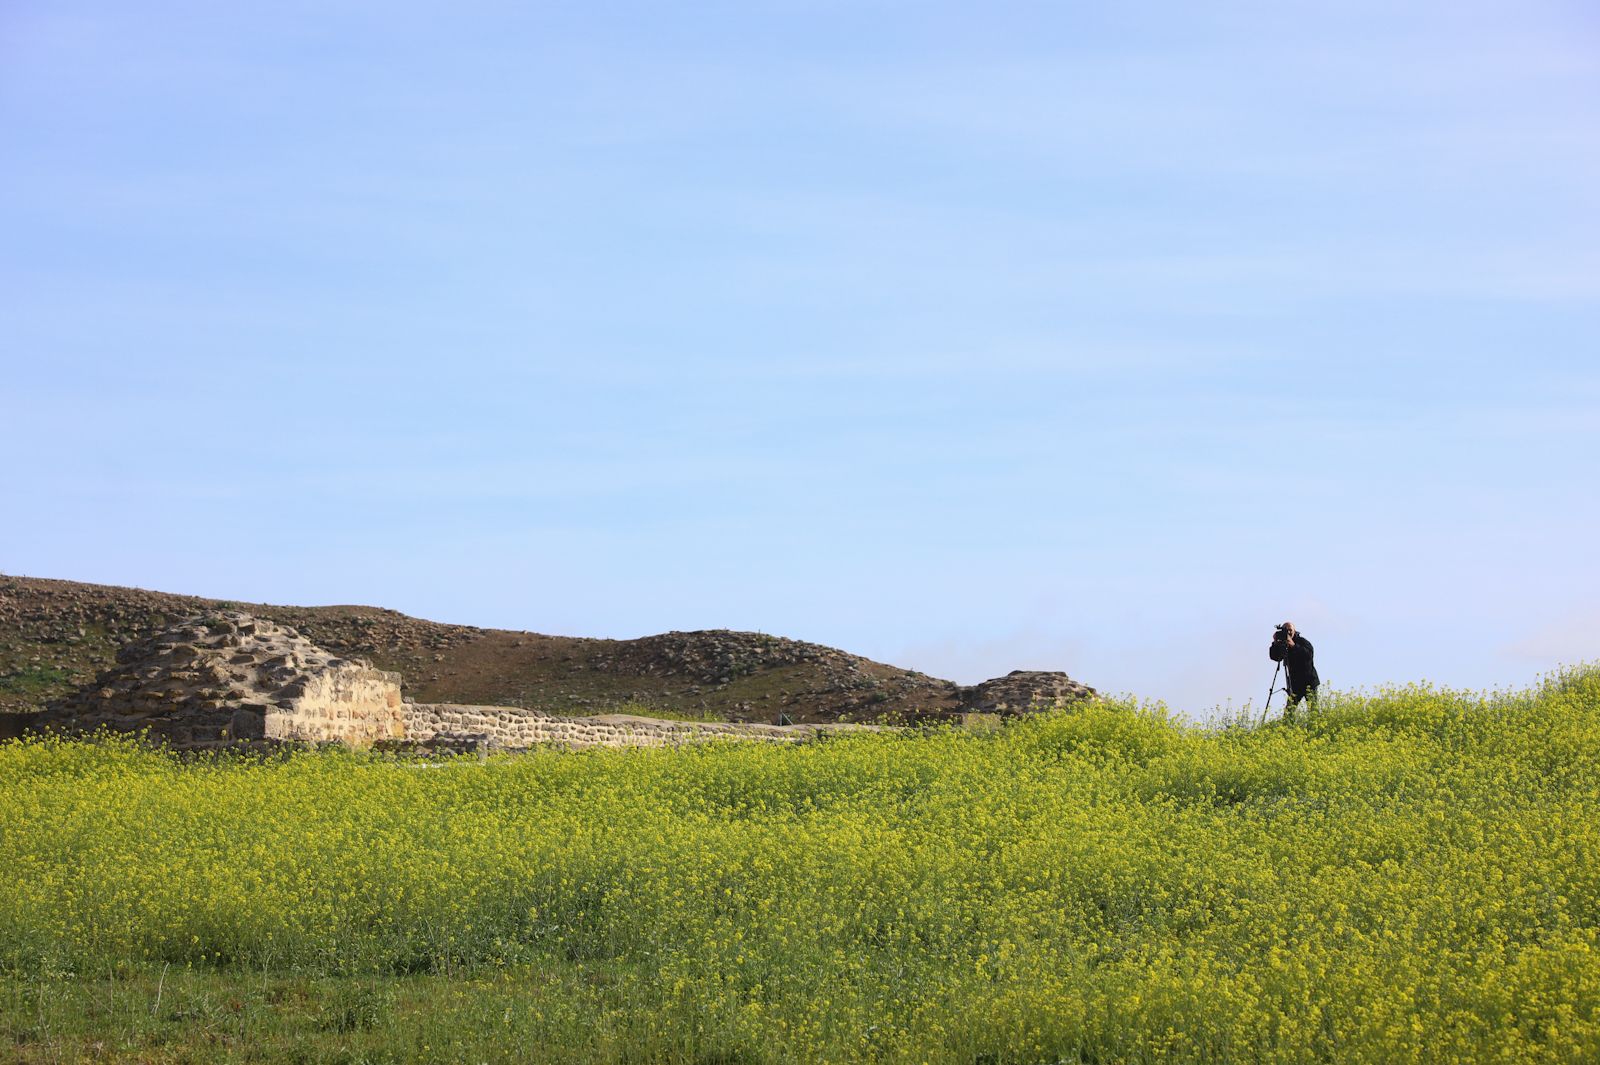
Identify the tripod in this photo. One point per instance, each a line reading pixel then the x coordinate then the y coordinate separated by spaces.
pixel 1271 691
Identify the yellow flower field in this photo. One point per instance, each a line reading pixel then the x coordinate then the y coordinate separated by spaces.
pixel 1412 876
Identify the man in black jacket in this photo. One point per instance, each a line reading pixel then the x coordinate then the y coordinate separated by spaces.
pixel 1295 652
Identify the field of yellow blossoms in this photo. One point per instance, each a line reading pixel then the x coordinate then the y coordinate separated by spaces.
pixel 1408 876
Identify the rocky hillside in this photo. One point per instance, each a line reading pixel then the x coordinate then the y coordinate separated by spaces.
pixel 55 636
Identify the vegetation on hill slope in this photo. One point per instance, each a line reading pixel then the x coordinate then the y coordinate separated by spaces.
pixel 1408 877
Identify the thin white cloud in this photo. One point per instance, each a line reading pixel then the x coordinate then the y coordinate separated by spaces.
pixel 1570 640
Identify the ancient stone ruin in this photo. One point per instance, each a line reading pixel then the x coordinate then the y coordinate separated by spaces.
pixel 227 677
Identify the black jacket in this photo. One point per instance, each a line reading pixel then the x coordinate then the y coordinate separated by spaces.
pixel 1297 660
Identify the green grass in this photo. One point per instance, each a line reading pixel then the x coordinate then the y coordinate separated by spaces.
pixel 1411 876
pixel 33 680
pixel 661 713
pixel 172 1014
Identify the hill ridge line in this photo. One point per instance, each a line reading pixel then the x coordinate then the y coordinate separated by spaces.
pixel 56 635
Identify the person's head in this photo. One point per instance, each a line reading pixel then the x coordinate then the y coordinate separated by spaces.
pixel 1285 631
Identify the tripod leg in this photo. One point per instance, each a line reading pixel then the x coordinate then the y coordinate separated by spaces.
pixel 1270 690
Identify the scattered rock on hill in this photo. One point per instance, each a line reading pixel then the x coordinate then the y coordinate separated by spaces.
pixel 1023 691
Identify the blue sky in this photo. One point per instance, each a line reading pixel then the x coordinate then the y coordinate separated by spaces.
pixel 968 337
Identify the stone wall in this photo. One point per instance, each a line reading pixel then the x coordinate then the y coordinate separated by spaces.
pixel 512 728
pixel 346 701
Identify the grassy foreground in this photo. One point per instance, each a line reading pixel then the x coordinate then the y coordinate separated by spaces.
pixel 1407 877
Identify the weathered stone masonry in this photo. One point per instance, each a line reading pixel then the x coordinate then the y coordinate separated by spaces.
pixel 511 727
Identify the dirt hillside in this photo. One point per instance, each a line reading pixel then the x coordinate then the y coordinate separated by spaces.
pixel 55 636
